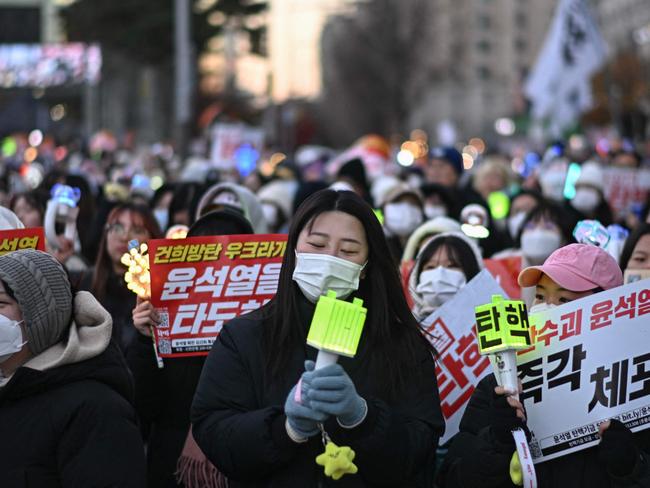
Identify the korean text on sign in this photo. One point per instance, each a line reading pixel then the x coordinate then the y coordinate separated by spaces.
pixel 199 284
pixel 452 331
pixel 17 239
pixel 588 362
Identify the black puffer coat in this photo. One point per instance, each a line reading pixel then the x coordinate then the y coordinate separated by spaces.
pixel 476 459
pixel 71 426
pixel 239 421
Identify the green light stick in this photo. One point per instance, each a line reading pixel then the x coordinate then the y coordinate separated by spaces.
pixel 336 328
pixel 503 329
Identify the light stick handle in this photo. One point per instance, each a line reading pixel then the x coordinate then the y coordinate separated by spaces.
pixel 505 368
pixel 325 358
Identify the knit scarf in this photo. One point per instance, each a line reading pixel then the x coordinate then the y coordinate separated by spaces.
pixel 193 469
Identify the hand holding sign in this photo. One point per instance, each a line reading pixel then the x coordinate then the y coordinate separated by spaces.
pixel 138 279
pixel 503 328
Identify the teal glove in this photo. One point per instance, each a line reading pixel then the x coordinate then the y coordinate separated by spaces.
pixel 302 419
pixel 332 392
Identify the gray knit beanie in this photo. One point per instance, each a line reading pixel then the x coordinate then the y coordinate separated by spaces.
pixel 42 290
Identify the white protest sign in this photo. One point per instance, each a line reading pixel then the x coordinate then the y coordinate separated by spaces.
pixel 459 366
pixel 590 362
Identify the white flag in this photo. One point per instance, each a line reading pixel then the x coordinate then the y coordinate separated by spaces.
pixel 559 85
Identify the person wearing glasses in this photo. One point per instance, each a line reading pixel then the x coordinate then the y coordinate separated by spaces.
pixel 125 222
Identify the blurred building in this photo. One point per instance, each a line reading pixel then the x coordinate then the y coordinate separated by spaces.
pixel 295 28
pixel 484 49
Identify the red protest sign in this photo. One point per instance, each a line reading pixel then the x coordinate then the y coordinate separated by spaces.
pixel 506 271
pixel 16 239
pixel 199 283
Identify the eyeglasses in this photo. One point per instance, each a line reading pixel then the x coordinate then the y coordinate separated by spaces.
pixel 138 232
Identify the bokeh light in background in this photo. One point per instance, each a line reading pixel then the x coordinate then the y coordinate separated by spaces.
pixel 60 153
pixel 570 183
pixel 499 204
pixel 30 154
pixel 267 167
pixel 35 138
pixel 478 143
pixel 468 161
pixel 9 147
pixel 57 112
pixel 405 157
pixel 504 126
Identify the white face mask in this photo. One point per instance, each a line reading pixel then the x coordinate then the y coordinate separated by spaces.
pixel 586 200
pixel 541 307
pixel 316 274
pixel 438 286
pixel 162 216
pixel 433 211
pixel 402 218
pixel 11 337
pixel 270 212
pixel 514 223
pixel 552 183
pixel 538 244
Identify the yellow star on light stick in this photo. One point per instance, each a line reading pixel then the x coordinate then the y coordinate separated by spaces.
pixel 337 461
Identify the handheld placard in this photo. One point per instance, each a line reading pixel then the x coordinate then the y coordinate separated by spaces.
pixel 336 328
pixel 503 329
pixel 138 279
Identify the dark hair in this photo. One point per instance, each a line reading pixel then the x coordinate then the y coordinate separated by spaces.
pixel 631 243
pixel 161 192
pixel 554 213
pixel 103 266
pixel 221 222
pixel 390 331
pixel 36 199
pixel 449 198
pixel 186 197
pixel 527 192
pixel 460 253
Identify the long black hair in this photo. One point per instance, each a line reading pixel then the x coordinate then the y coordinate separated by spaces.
pixel 391 331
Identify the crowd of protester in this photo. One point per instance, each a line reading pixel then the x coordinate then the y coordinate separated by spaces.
pixel 83 403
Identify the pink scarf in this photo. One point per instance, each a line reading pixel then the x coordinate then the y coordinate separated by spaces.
pixel 193 469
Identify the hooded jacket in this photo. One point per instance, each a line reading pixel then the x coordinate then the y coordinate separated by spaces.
pixel 421 309
pixel 250 204
pixel 66 416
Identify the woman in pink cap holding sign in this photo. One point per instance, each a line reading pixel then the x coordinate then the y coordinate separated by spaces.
pixel 480 453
